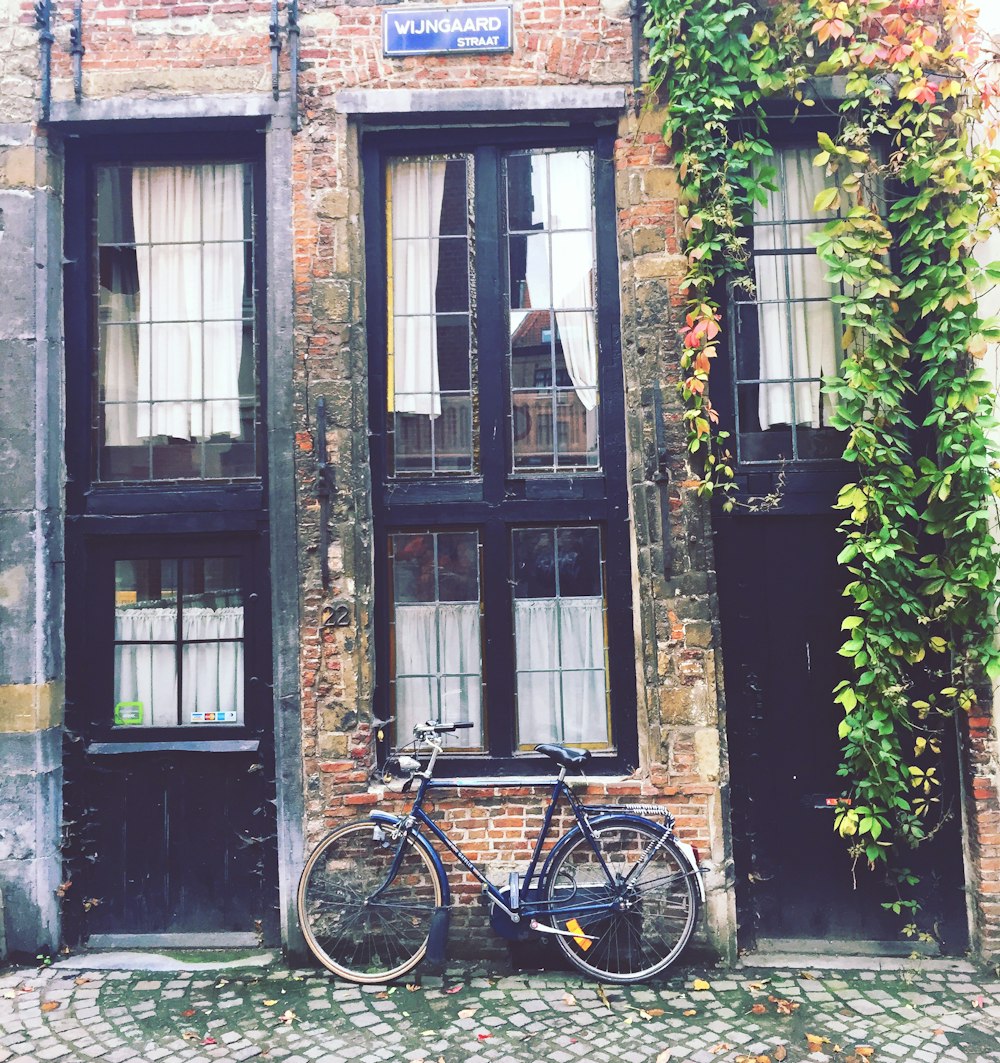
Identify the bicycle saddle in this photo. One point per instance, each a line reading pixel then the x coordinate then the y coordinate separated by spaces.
pixel 563 755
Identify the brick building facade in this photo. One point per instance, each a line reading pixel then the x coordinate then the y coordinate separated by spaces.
pixel 97 526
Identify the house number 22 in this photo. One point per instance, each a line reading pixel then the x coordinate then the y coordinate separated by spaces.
pixel 337 614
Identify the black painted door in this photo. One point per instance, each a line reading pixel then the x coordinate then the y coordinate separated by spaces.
pixel 170 781
pixel 781 608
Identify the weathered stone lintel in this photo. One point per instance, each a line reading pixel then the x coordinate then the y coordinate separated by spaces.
pixel 124 108
pixel 498 100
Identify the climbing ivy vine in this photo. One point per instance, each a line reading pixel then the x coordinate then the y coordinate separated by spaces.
pixel 913 184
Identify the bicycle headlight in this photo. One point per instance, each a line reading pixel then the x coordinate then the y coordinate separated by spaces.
pixel 398 771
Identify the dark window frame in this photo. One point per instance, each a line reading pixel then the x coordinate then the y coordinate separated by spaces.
pixel 497 501
pixel 86 494
pixel 804 485
pixel 151 518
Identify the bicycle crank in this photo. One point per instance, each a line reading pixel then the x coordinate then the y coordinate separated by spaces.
pixel 544 928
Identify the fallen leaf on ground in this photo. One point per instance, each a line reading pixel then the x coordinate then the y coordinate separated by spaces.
pixel 938 1032
pixel 188 1013
pixel 782 1006
pixel 807 976
pixel 752 986
pixel 267 1004
pixel 382 996
pixel 864 1050
pixel 604 997
pixel 50 1005
pixel 221 982
pixel 569 999
pixel 190 1035
pixel 207 1040
pixel 816 1042
pixel 651 1013
pixel 978 1002
pixel 781 1054
pixel 453 989
pixel 720 1047
pixel 484 1036
pixel 700 983
pixel 82 980
pixel 665 1056
pixel 690 1012
pixel 467 1013
pixel 288 1016
pixel 413 986
pixel 759 1009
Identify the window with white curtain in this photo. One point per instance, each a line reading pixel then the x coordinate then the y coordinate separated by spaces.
pixel 176 367
pixel 502 556
pixel 179 641
pixel 784 328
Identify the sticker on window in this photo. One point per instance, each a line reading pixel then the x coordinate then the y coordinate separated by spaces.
pixel 128 713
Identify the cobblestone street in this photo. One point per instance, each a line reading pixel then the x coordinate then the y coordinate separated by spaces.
pixel 922 1012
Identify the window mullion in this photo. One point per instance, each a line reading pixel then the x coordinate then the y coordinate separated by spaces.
pixel 491 324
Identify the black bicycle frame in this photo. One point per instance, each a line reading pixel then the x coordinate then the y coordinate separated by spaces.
pixel 417 818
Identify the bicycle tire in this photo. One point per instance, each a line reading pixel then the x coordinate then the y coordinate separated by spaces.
pixel 358 937
pixel 660 908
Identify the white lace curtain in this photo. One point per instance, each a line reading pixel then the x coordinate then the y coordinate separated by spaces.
pixel 559 266
pixel 559 650
pixel 797 323
pixel 417 197
pixel 173 361
pixel 439 668
pixel 146 661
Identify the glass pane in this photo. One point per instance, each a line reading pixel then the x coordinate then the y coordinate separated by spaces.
pixel 527 200
pixel 413 568
pixel 452 291
pixel 572 270
pixel 571 190
pixel 177 347
pixel 579 553
pixel 455 206
pixel 145 643
pixel 532 428
pixel 212 632
pixel 560 641
pixel 534 563
pixel 436 632
pixel 530 272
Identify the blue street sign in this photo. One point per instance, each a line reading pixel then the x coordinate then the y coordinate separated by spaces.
pixel 446 30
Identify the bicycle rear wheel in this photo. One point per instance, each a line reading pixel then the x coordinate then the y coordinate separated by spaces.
pixel 353 926
pixel 642 932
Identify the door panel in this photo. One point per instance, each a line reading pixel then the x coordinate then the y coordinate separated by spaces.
pixel 781 608
pixel 180 841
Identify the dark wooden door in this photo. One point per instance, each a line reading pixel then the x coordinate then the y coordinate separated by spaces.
pixel 171 817
pixel 781 608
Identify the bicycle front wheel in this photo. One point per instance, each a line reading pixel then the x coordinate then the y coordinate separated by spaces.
pixel 361 920
pixel 630 910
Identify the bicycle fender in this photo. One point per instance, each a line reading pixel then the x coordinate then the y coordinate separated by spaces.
pixel 389 820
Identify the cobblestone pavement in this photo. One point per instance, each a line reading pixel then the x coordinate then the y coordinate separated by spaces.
pixel 920 1014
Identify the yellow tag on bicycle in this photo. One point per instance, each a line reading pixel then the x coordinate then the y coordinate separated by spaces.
pixel 574 927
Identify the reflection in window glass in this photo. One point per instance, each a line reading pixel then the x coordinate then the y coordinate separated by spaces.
pixel 177 390
pixel 553 331
pixel 178 642
pixel 435 629
pixel 431 393
pixel 559 636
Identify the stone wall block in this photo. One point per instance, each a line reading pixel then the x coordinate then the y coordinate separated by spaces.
pixel 17 597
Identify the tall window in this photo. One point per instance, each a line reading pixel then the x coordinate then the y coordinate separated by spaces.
pixel 499 455
pixel 784 331
pixel 176 394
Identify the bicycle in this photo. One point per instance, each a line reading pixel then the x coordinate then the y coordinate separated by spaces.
pixel 618 892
